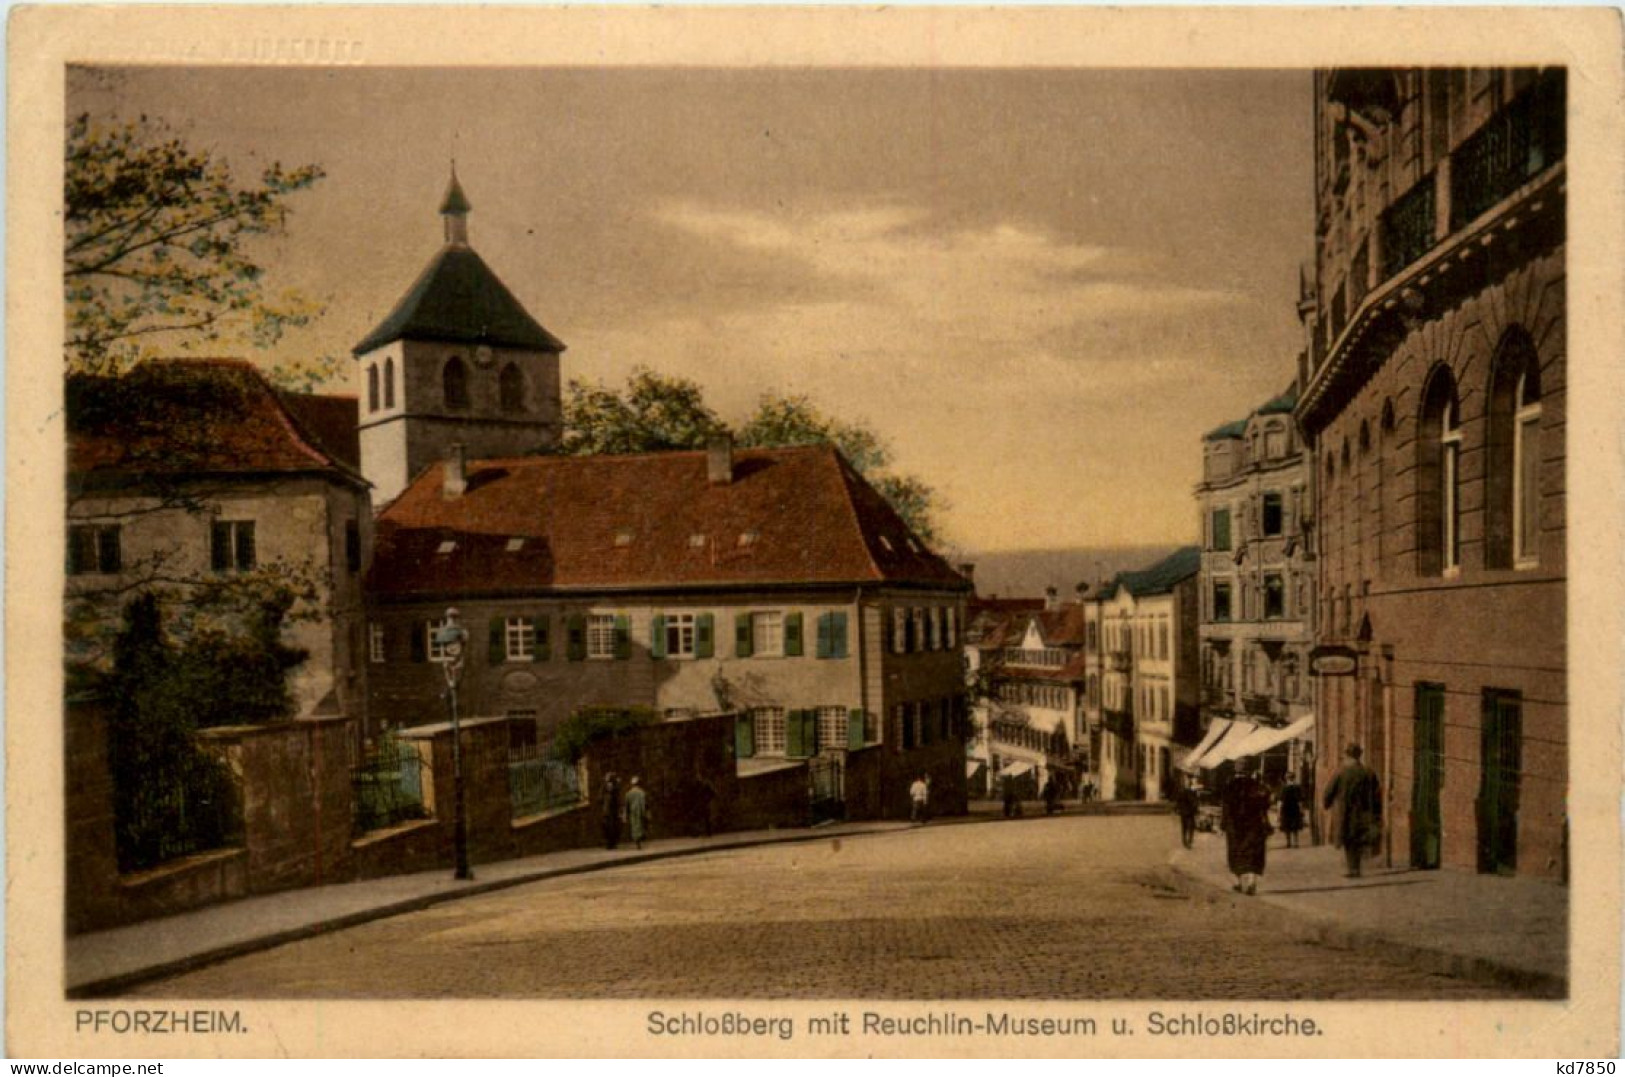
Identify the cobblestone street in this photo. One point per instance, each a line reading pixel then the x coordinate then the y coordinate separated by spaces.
pixel 1040 908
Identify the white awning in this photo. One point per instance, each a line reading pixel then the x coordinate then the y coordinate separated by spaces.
pixel 1226 748
pixel 1214 731
pixel 1016 769
pixel 1263 739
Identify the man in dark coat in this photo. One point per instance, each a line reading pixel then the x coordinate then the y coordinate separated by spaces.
pixel 1186 807
pixel 1360 824
pixel 1291 811
pixel 612 811
pixel 1246 823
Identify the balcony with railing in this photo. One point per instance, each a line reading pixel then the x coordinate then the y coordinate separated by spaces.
pixel 1408 226
pixel 1517 144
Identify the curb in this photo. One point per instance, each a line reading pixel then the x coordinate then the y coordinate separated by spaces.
pixel 1326 931
pixel 116 984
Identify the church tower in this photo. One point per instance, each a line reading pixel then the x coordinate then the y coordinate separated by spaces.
pixel 459 360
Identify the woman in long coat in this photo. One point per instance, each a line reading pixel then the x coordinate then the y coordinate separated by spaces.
pixel 637 813
pixel 1246 822
pixel 1291 811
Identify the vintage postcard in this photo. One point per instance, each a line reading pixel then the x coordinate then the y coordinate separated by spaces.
pixel 809 532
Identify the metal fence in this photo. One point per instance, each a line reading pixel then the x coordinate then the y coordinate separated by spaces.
pixel 826 789
pixel 388 784
pixel 537 782
pixel 190 807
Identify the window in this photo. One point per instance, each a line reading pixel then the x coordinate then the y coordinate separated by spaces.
pixel 1162 639
pixel 601 635
pixel 1438 477
pixel 767 634
pixel 352 545
pixel 916 629
pixel 1221 529
pixel 436 650
pixel 1221 601
pixel 94 549
pixel 679 631
pixel 1275 442
pixel 520 639
pixel 389 383
pixel 832 727
pixel 454 384
pixel 1273 523
pixel 1526 470
pixel 899 630
pixel 931 626
pixel 231 546
pixel 511 388
pixel 372 387
pixel 375 643
pixel 1274 597
pixel 831 642
pixel 770 726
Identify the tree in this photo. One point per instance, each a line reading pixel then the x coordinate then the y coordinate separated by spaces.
pixel 656 413
pixel 157 251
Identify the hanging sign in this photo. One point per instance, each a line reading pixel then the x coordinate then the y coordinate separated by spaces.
pixel 1333 661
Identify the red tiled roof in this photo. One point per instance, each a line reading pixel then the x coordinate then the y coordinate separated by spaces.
pixel 185 417
pixel 798 515
pixel 1074 670
pixel 331 421
pixel 1062 627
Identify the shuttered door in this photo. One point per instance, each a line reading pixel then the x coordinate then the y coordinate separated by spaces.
pixel 1427 768
pixel 1501 747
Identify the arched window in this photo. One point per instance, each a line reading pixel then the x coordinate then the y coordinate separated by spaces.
pixel 372 387
pixel 389 383
pixel 1513 471
pixel 1438 477
pixel 1365 437
pixel 511 388
pixel 454 384
pixel 1275 441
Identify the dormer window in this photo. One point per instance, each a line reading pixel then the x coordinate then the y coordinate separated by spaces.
pixel 515 545
pixel 446 547
pixel 748 538
pixel 696 541
pixel 623 538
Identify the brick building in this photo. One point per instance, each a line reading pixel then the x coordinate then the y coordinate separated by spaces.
pixel 1433 406
pixel 1257 578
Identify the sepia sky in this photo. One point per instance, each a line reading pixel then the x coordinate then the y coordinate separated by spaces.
pixel 1041 287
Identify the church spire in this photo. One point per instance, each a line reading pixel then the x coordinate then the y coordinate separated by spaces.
pixel 455 209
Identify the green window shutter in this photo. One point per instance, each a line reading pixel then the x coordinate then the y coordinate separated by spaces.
pixel 809 719
pixel 623 636
pixel 657 636
pixel 542 651
pixel 854 729
pixel 576 643
pixel 420 641
pixel 704 636
pixel 823 636
pixel 742 648
pixel 744 736
pixel 795 735
pixel 499 641
pixel 792 635
pixel 837 635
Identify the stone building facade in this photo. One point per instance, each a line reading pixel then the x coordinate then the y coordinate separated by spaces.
pixel 1257 583
pixel 1433 407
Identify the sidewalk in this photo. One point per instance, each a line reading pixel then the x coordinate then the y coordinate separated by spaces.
pixel 1510 931
pixel 106 962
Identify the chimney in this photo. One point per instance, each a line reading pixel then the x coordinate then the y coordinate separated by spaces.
pixel 456 472
pixel 719 460
pixel 1052 598
pixel 967 569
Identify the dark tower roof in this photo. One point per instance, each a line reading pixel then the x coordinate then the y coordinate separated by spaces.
pixel 458 298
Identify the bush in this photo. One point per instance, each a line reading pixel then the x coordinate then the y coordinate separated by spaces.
pixel 589 725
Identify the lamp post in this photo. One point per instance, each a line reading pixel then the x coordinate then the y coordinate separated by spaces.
pixel 452 637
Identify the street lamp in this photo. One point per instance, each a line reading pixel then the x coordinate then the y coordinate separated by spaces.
pixel 451 637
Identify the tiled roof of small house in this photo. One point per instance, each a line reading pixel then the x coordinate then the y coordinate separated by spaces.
pixel 1063 626
pixel 795 515
pixel 182 417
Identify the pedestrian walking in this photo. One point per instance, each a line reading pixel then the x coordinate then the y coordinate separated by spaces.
pixel 1012 802
pixel 1246 823
pixel 919 794
pixel 637 813
pixel 1358 828
pixel 611 807
pixel 1186 807
pixel 1291 811
pixel 1051 795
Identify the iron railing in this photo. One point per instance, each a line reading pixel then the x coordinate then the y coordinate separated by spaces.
pixel 1517 144
pixel 1408 226
pixel 537 782
pixel 388 784
pixel 190 808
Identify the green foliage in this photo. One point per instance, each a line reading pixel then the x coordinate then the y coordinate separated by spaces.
pixel 654 414
pixel 157 247
pixel 592 724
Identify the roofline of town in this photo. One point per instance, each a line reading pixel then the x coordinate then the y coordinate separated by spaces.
pixel 661 590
